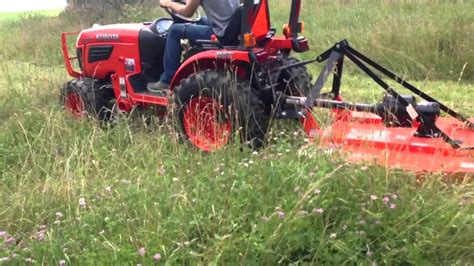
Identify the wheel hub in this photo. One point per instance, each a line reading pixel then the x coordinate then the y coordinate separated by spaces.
pixel 205 124
pixel 74 104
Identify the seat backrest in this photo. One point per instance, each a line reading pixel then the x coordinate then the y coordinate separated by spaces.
pixel 259 18
pixel 255 19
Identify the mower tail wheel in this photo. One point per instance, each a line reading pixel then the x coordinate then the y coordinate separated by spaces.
pixel 212 106
pixel 88 97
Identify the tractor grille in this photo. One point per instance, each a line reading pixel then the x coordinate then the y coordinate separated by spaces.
pixel 79 52
pixel 100 53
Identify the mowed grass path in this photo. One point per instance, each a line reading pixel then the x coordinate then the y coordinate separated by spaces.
pixel 75 192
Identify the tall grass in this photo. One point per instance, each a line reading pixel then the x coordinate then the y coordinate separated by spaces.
pixel 420 39
pixel 425 39
pixel 72 191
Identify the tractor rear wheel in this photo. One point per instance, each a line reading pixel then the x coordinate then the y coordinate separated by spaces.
pixel 88 97
pixel 212 106
pixel 296 81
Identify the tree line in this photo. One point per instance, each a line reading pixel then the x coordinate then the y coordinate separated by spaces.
pixel 106 4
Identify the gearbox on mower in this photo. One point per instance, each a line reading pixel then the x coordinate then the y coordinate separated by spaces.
pixel 235 85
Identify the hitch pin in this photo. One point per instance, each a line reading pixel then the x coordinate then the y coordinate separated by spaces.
pixel 296 100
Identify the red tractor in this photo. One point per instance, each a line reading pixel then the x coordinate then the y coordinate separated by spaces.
pixel 215 88
pixel 233 87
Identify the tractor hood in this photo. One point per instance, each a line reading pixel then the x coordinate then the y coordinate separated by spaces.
pixel 123 33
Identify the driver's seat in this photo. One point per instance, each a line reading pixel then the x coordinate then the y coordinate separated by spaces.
pixel 230 38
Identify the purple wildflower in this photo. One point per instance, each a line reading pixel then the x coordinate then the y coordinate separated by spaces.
pixel 82 202
pixel 41 236
pixel 281 215
pixel 386 199
pixel 9 240
pixel 318 210
pixel 3 234
pixel 157 257
pixel 392 206
pixel 142 251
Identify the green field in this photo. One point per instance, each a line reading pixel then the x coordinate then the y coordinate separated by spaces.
pixel 15 16
pixel 73 191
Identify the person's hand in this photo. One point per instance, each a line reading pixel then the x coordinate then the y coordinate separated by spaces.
pixel 165 3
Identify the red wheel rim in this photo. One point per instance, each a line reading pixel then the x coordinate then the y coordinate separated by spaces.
pixel 205 124
pixel 74 104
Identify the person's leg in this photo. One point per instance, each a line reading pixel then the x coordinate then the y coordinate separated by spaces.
pixel 204 21
pixel 173 51
pixel 198 32
pixel 173 48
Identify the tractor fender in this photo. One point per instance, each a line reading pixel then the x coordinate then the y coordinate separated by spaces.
pixel 239 61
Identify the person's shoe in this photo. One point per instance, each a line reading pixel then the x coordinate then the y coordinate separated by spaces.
pixel 158 87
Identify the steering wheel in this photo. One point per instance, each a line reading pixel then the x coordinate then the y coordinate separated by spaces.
pixel 182 19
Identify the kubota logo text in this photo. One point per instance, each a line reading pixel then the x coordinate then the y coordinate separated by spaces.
pixel 107 37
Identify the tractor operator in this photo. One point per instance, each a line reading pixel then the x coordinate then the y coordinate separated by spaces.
pixel 219 14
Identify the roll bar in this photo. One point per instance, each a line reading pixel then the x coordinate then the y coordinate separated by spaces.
pixel 251 9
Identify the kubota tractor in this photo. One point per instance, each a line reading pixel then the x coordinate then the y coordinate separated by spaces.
pixel 233 86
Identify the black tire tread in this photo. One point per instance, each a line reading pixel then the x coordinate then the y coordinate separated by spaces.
pixel 250 114
pixel 297 79
pixel 96 95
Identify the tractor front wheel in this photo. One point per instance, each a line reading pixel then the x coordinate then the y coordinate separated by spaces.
pixel 212 107
pixel 88 98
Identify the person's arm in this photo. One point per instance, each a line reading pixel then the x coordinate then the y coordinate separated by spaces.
pixel 186 10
